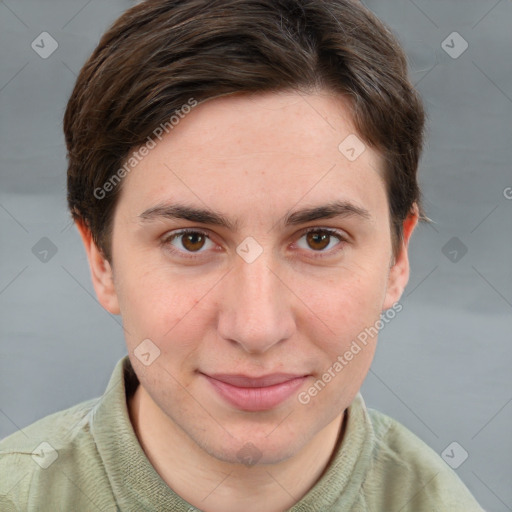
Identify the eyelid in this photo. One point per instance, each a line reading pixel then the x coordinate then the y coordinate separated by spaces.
pixel 331 231
pixel 168 237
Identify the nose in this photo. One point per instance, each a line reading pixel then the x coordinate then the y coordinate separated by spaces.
pixel 256 309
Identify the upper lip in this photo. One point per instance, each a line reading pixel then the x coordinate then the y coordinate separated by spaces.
pixel 245 381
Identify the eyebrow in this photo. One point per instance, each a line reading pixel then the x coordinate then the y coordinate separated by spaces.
pixel 206 216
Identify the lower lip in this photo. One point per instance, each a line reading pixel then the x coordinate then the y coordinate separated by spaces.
pixel 256 399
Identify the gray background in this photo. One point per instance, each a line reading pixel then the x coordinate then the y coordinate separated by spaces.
pixel 443 365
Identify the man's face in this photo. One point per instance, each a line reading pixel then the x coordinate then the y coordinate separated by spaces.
pixel 262 296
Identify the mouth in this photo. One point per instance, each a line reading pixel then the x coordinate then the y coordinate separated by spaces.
pixel 255 393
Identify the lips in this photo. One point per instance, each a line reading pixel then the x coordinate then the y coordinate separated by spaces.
pixel 255 393
pixel 243 381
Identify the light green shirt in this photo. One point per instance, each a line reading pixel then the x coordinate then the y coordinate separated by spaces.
pixel 91 460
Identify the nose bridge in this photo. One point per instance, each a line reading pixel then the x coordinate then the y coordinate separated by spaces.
pixel 255 311
pixel 256 284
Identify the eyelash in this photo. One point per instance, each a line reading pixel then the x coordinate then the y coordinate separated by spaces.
pixel 320 254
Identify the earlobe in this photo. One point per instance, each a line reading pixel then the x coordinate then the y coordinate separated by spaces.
pixel 399 271
pixel 101 271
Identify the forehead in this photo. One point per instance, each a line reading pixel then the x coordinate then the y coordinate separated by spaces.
pixel 261 151
pixel 283 122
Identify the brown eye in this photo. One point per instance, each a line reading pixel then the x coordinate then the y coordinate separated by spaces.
pixel 193 241
pixel 187 242
pixel 318 240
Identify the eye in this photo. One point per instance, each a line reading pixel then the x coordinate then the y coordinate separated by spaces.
pixel 189 243
pixel 186 242
pixel 319 239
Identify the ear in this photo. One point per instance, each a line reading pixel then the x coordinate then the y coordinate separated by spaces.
pixel 101 271
pixel 399 271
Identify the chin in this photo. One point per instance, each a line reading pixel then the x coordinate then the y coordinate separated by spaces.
pixel 253 446
pixel 250 454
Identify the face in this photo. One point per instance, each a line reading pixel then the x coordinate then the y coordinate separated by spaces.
pixel 267 284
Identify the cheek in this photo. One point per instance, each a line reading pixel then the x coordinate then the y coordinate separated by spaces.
pixel 350 306
pixel 345 354
pixel 350 300
pixel 155 304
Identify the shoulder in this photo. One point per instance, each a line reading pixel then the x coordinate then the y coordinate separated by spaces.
pixel 58 428
pixel 51 453
pixel 412 475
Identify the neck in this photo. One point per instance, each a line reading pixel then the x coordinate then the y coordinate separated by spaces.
pixel 216 486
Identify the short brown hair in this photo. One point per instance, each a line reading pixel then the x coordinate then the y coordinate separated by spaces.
pixel 161 53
